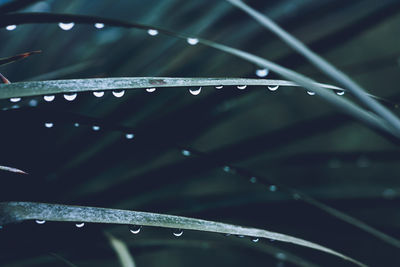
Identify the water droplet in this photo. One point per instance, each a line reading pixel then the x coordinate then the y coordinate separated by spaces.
pixel 95 128
pixel 66 26
pixel 241 87
pixel 178 232
pixel 98 93
pixel 273 87
pixel 255 239
pixel 219 87
pixel 253 180
pixel 340 92
pixel 310 92
pixel 150 90
pixel 118 93
pixel 11 27
pixel 15 106
pixel 129 135
pixel 272 188
pixel 192 41
pixel 226 168
pixel 15 99
pixel 99 25
pixel 152 32
pixel 80 225
pixel 76 124
pixel 195 91
pixel 70 97
pixel 49 98
pixel 186 153
pixel 48 124
pixel 135 229
pixel 262 72
pixel 33 103
pixel 40 221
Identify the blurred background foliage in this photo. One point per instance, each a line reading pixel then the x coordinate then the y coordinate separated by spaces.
pixel 287 135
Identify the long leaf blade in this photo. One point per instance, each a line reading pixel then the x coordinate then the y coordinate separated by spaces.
pixel 12 212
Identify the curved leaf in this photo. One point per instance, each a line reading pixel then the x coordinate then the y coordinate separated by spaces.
pixel 12 212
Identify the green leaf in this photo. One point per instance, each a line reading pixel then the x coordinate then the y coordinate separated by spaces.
pixel 12 212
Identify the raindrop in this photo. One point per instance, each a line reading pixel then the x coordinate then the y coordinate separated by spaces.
pixel 255 239
pixel 95 128
pixel 253 180
pixel 178 232
pixel 118 93
pixel 272 188
pixel 241 87
pixel 98 93
pixel 76 124
pixel 48 124
pixel 49 98
pixel 99 25
pixel 186 152
pixel 340 92
pixel 80 225
pixel 226 169
pixel 150 90
pixel 192 41
pixel 135 229
pixel 40 221
pixel 219 87
pixel 129 135
pixel 15 99
pixel 33 103
pixel 310 92
pixel 273 87
pixel 262 72
pixel 11 27
pixel 70 97
pixel 66 26
pixel 152 32
pixel 195 91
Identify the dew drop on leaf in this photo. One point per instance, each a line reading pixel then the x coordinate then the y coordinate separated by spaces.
pixel 150 90
pixel 99 25
pixel 273 87
pixel 129 135
pixel 15 99
pixel 219 87
pixel 11 27
pixel 272 188
pixel 70 97
pixel 80 225
pixel 340 92
pixel 66 26
pixel 152 32
pixel 48 124
pixel 96 128
pixel 310 92
pixel 255 239
pixel 262 72
pixel 49 98
pixel 177 232
pixel 192 41
pixel 40 221
pixel 195 91
pixel 135 229
pixel 119 93
pixel 241 87
pixel 98 93
pixel 185 152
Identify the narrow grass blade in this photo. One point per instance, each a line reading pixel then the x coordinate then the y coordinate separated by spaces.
pixel 7 60
pixel 34 88
pixel 344 105
pixel 321 63
pixel 122 251
pixel 12 212
pixel 11 169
